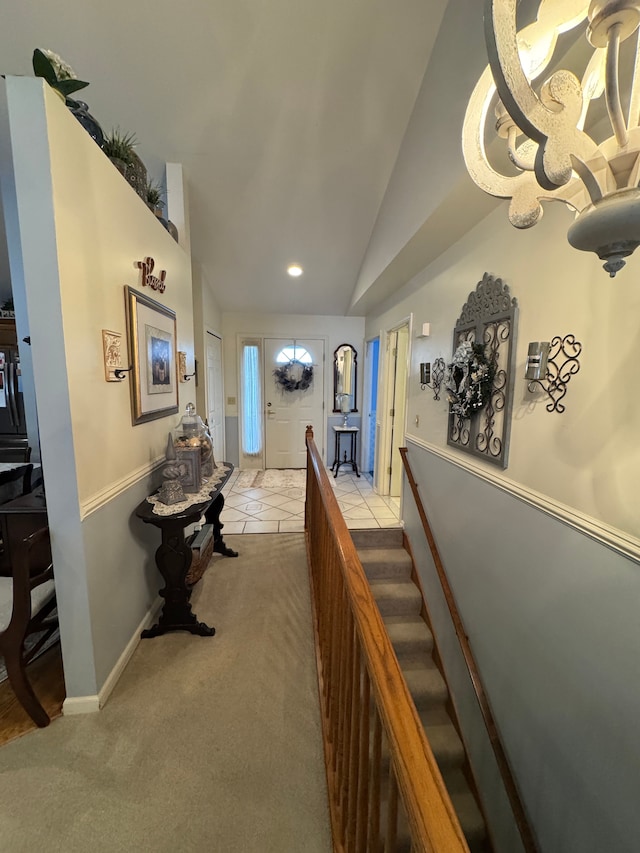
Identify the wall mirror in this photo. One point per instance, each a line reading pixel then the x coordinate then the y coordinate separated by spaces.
pixel 345 379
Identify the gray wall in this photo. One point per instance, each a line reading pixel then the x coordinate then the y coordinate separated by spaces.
pixel 552 616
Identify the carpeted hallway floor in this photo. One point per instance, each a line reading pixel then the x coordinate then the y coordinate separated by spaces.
pixel 206 744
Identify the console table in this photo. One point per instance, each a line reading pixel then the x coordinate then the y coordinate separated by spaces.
pixel 352 432
pixel 173 559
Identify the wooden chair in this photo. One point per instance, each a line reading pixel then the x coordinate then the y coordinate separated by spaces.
pixel 27 602
pixel 15 454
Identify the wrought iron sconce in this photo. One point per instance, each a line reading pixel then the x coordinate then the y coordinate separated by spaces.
pixel 432 378
pixel 551 366
pixel 187 376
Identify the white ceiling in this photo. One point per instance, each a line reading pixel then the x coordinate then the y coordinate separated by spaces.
pixel 287 116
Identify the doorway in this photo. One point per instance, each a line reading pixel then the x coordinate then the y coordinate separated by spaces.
pixel 215 395
pixel 393 406
pixel 370 425
pixel 288 410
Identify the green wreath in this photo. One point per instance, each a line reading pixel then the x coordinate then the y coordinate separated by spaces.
pixel 294 376
pixel 469 381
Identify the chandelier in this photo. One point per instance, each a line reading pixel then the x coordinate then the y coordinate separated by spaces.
pixel 563 141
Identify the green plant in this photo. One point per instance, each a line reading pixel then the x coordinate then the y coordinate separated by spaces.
pixel 56 72
pixel 120 146
pixel 153 195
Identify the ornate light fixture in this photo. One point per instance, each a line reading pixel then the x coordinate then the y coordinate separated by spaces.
pixel 560 145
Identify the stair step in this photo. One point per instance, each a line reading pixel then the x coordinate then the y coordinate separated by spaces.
pixel 398 598
pixel 387 537
pixel 411 639
pixel 466 808
pixel 427 686
pixel 385 563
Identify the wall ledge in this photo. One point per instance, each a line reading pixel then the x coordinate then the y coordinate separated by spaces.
pixel 104 496
pixel 613 538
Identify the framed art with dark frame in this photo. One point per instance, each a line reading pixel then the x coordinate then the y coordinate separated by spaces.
pixel 152 352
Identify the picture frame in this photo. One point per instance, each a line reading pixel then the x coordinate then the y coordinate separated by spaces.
pixel 151 329
pixel 111 354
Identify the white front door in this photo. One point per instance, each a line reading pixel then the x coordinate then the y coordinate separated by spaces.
pixel 288 412
pixel 215 396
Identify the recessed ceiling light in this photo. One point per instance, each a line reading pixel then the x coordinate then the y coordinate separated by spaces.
pixel 294 270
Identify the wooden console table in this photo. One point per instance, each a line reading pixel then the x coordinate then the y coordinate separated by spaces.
pixel 173 559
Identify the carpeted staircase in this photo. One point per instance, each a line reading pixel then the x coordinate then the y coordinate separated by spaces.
pixel 388 567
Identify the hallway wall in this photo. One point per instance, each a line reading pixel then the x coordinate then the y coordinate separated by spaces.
pixel 544 557
pixel 80 229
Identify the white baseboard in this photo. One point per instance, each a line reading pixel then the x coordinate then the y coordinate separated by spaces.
pixel 80 705
pixel 90 704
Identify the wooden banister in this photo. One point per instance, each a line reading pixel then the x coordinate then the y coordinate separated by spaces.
pixel 517 806
pixel 366 706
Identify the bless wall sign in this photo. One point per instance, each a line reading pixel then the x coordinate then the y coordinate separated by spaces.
pixel 147 279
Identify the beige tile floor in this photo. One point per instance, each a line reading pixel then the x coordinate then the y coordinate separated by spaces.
pixel 274 502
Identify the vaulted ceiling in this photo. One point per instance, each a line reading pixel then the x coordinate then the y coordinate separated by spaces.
pixel 287 117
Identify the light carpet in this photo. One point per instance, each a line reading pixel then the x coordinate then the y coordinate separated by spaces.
pixel 272 478
pixel 206 744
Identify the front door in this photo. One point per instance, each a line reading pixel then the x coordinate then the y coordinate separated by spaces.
pixel 289 409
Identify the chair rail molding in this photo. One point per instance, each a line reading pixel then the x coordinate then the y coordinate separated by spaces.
pixel 612 537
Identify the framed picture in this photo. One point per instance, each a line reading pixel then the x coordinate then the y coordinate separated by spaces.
pixel 152 352
pixel 112 354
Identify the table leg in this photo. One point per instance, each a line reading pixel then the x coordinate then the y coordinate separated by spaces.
pixel 173 559
pixel 212 516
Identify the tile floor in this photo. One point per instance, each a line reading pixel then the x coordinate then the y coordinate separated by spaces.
pixel 273 502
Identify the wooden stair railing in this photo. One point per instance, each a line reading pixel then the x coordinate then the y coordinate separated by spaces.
pixel 517 806
pixel 375 805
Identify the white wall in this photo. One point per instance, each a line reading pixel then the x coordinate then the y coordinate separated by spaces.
pixel 587 458
pixel 335 331
pixel 206 316
pixel 81 228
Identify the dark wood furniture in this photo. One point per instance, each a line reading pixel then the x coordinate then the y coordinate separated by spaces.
pixel 173 559
pixel 15 453
pixel 15 480
pixel 27 605
pixel 20 518
pixel 352 432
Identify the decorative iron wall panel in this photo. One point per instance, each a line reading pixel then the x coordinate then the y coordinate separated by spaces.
pixel 489 316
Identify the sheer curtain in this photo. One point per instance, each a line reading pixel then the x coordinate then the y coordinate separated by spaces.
pixel 251 400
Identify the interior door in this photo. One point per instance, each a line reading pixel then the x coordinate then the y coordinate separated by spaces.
pixel 288 412
pixel 398 425
pixel 215 396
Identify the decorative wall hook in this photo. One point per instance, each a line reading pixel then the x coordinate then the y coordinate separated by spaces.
pixel 119 372
pixel 187 376
pixel 561 364
pixel 434 377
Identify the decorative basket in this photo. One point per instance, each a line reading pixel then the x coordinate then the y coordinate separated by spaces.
pixel 201 544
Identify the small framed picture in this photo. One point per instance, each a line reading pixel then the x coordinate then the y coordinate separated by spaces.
pixel 112 354
pixel 152 352
pixel 188 458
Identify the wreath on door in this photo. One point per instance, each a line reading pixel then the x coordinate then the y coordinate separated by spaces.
pixel 294 376
pixel 469 380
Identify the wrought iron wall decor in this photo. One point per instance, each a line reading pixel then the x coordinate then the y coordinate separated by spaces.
pixel 435 380
pixel 562 364
pixel 489 317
